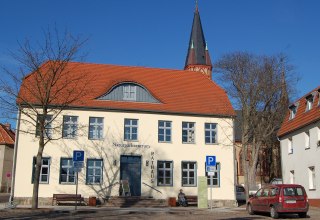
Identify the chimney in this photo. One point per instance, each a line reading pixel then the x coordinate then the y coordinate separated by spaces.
pixel 8 126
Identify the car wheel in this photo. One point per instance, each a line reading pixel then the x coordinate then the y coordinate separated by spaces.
pixel 302 214
pixel 250 210
pixel 273 212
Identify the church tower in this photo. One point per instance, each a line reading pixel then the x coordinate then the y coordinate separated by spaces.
pixel 198 58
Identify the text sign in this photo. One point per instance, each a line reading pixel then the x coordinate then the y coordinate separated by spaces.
pixel 78 164
pixel 211 169
pixel 210 161
pixel 78 155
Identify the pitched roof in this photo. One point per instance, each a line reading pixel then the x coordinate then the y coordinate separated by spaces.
pixel 179 91
pixel 302 117
pixel 198 53
pixel 6 135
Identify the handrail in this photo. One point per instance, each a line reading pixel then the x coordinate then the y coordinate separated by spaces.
pixel 151 187
pixel 109 186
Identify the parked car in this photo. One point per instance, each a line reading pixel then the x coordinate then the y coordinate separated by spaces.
pixel 240 193
pixel 279 198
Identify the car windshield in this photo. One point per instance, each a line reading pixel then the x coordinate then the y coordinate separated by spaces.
pixel 293 191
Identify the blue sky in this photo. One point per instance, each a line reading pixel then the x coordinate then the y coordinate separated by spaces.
pixel 156 33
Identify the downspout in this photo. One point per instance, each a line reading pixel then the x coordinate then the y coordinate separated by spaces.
pixel 235 168
pixel 15 156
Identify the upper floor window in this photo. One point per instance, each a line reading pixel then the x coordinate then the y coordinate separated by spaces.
pixel 164 131
pixel 129 92
pixel 130 129
pixel 44 170
pixel 293 111
pixel 309 100
pixel 70 126
pixel 95 128
pixel 189 173
pixel 47 126
pixel 307 139
pixel 188 132
pixel 210 133
pixel 290 146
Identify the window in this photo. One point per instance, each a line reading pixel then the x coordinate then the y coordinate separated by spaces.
pixel 189 173
pixel 164 131
pixel 307 140
pixel 214 180
pixel 44 170
pixel 274 191
pixel 293 191
pixel 293 111
pixel 129 92
pixel 95 128
pixel 130 129
pixel 309 100
pixel 70 126
pixel 312 178
pixel 290 146
pixel 210 133
pixel 47 126
pixel 94 171
pixel 292 179
pixel 165 171
pixel 188 132
pixel 67 175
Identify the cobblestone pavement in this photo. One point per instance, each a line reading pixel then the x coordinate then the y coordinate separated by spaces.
pixel 68 212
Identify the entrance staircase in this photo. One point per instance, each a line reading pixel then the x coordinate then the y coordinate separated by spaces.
pixel 135 201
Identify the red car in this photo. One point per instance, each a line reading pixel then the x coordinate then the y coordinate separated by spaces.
pixel 279 198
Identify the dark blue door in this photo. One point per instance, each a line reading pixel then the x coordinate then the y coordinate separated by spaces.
pixel 130 169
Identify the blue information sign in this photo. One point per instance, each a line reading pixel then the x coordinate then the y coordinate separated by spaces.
pixel 210 161
pixel 78 155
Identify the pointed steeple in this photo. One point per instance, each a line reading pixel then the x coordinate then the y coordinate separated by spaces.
pixel 198 58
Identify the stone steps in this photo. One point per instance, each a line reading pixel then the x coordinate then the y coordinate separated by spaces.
pixel 135 201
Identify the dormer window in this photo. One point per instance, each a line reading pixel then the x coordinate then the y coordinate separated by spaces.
pixel 129 92
pixel 309 102
pixel 319 97
pixel 293 111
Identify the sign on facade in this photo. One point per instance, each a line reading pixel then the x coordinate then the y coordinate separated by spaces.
pixel 78 160
pixel 211 165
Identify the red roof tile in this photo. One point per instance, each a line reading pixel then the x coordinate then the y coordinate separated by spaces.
pixel 6 135
pixel 179 91
pixel 302 117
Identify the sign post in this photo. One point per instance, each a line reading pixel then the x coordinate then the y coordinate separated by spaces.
pixel 78 158
pixel 8 179
pixel 210 168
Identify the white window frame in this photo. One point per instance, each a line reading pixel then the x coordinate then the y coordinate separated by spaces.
pixel 69 171
pixel 312 177
pixel 129 129
pixel 190 132
pixel 48 159
pixel 214 178
pixel 290 146
pixel 164 169
pixel 212 130
pixel 167 131
pixel 70 126
pixel 292 177
pixel 188 171
pixel 309 102
pixel 307 139
pixel 129 92
pixel 94 174
pixel 94 132
pixel 293 111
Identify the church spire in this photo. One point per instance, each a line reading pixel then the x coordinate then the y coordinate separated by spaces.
pixel 198 58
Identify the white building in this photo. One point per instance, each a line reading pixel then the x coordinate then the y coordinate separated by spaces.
pixel 300 145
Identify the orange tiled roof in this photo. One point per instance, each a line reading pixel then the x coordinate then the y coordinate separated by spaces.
pixel 6 135
pixel 179 91
pixel 302 117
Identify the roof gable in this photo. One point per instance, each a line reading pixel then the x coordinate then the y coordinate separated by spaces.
pixel 7 136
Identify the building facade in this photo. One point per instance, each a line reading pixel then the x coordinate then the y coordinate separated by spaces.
pixel 300 145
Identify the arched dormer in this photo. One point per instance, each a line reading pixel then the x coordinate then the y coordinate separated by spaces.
pixel 129 92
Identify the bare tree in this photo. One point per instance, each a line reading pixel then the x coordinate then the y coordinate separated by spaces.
pixel 259 87
pixel 43 87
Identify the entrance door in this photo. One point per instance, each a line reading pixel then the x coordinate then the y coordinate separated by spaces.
pixel 130 169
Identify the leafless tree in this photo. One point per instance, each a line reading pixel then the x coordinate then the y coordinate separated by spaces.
pixel 259 87
pixel 43 86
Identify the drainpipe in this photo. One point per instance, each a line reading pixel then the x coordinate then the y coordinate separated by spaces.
pixel 15 156
pixel 234 162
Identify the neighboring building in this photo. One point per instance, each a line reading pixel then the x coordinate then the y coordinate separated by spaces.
pixel 6 156
pixel 151 126
pixel 300 145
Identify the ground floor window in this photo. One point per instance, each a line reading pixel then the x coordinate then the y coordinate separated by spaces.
pixel 44 170
pixel 312 178
pixel 214 180
pixel 67 175
pixel 94 171
pixel 165 170
pixel 189 173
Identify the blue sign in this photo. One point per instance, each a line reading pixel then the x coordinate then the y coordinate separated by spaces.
pixel 210 161
pixel 78 155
